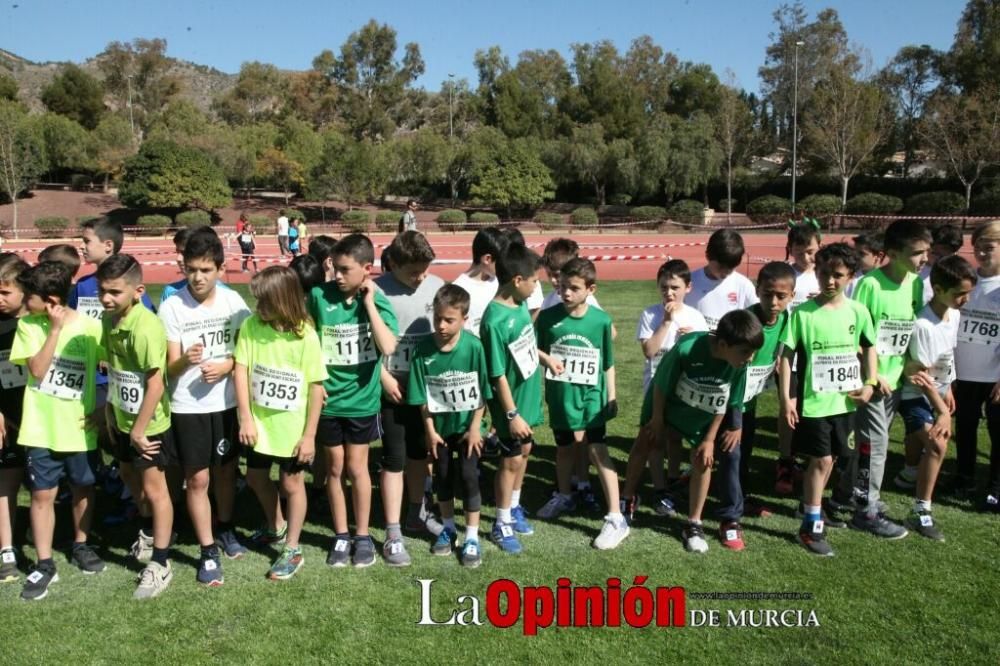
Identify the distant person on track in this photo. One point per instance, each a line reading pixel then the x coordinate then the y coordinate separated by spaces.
pixel 293 238
pixel 246 237
pixel 408 222
pixel 283 234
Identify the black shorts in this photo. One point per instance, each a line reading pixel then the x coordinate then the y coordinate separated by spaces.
pixel 123 451
pixel 206 440
pixel 594 436
pixel 340 430
pixel 12 455
pixel 511 448
pixel 402 431
pixel 823 436
pixel 46 468
pixel 264 461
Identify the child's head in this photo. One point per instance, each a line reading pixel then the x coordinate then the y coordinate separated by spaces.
pixel 203 262
pixel 308 270
pixel 870 251
pixel 724 252
pixel 557 252
pixel 803 243
pixel 836 264
pixel 321 247
pixel 518 268
pixel 487 248
pixel 451 310
pixel 47 283
pixel 101 238
pixel 243 217
pixel 577 281
pixel 63 252
pixel 119 283
pixel 946 240
pixel 11 292
pixel 280 301
pixel 674 281
pixel 180 241
pixel 410 256
pixel 248 227
pixel 952 279
pixel 775 288
pixel 907 244
pixel 986 246
pixel 352 257
pixel 738 337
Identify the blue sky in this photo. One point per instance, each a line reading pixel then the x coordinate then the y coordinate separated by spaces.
pixel 224 33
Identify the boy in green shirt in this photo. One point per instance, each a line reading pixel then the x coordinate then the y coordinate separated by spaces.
pixel 135 343
pixel 61 349
pixel 512 362
pixel 826 333
pixel 702 376
pixel 448 380
pixel 357 329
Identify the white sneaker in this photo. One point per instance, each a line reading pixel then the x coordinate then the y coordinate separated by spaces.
pixel 154 579
pixel 554 507
pixel 142 549
pixel 611 534
pixel 694 539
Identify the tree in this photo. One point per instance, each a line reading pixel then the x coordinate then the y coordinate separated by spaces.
pixel 909 78
pixel 259 94
pixel 695 88
pixel 352 169
pixel 596 161
pixel 111 143
pixel 974 58
pixel 8 88
pixel 678 155
pixel 141 68
pixel 65 143
pixel 650 70
pixel 602 94
pixel 419 159
pixel 312 97
pixel 22 158
pixel 512 177
pixel 490 64
pixel 166 175
pixel 276 167
pixel 75 94
pixel 733 129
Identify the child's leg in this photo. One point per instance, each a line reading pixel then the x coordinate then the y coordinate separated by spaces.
pixel 132 479
pixel 993 427
pixel 728 486
pixel 598 452
pixel 523 469
pixel 199 506
pixel 43 521
pixel 335 488
pixel 224 480
pixel 642 450
pixel 747 441
pixel 581 466
pixel 566 460
pixel 444 481
pixel 294 487
pixel 969 399
pixel 157 494
pixel 472 497
pixel 356 463
pixel 10 482
pixel 934 450
pixel 701 479
pixel 656 471
pixel 319 468
pixel 814 481
pixel 675 451
pixel 259 480
pixel 511 464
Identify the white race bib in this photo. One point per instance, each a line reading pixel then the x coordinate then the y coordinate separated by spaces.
pixel 90 306
pixel 654 362
pixel 711 398
pixel 126 390
pixel 399 362
pixel 943 371
pixel 836 373
pixel 456 392
pixel 758 377
pixel 277 388
pixel 217 337
pixel 348 344
pixel 64 378
pixel 979 327
pixel 893 337
pixel 713 322
pixel 581 365
pixel 525 352
pixel 11 375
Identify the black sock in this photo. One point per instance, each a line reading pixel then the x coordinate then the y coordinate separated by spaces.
pixel 224 526
pixel 160 555
pixel 47 563
pixel 147 525
pixel 79 544
pixel 414 509
pixel 344 535
pixel 209 552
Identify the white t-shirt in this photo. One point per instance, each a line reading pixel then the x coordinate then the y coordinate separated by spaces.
pixel 806 286
pixel 650 320
pixel 536 299
pixel 282 226
pixel 481 292
pixel 977 358
pixel 715 298
pixel 932 344
pixel 189 322
pixel 553 299
pixel 925 275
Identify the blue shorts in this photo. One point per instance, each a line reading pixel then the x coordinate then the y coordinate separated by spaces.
pixel 917 414
pixel 46 468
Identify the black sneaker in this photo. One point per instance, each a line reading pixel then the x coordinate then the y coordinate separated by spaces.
pixel 665 504
pixel 8 566
pixel 87 560
pixel 877 525
pixel 36 585
pixel 992 503
pixel 812 536
pixel 922 522
pixel 364 552
pixel 340 552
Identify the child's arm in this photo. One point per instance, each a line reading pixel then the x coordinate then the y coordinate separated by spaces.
pixel 39 364
pixel 611 409
pixel 178 362
pixel 787 408
pixel 864 394
pixel 518 426
pixel 652 345
pixel 431 437
pixel 305 450
pixel 550 362
pixel 474 438
pixel 216 371
pixel 248 429
pixel 705 453
pixel 154 392
pixel 391 386
pixel 942 424
pixel 384 338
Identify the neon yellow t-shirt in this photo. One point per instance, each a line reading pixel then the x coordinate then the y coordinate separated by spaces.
pixel 135 346
pixel 893 309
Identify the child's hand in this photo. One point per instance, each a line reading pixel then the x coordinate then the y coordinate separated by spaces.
pixel 941 430
pixel 883 386
pixel 213 372
pixel 921 379
pixel 367 291
pixel 391 388
pixel 556 366
pixel 194 353
pixel 611 409
pixel 57 315
pixel 3 430
pixel 862 395
pixel 305 450
pixel 731 439
pixel 473 443
pixel 433 440
pixel 248 432
pixel 670 309
pixel 145 447
pixel 949 401
pixel 684 330
pixel 790 415
pixel 704 455
pixel 520 429
pixel 995 395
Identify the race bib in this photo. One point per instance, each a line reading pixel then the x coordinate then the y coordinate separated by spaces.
pixel 456 392
pixel 216 335
pixel 348 344
pixel 64 378
pixel 836 373
pixel 713 322
pixel 758 377
pixel 275 388
pixel 11 375
pixel 399 362
pixel 893 337
pixel 654 362
pixel 90 306
pixel 525 352
pixel 581 365
pixel 126 390
pixel 979 327
pixel 943 370
pixel 711 398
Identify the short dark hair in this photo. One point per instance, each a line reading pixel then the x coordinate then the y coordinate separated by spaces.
pixel 452 296
pixel 120 266
pixel 63 252
pixel 558 251
pixel 491 241
pixel 951 271
pixel 870 242
pixel 902 232
pixel 49 278
pixel 11 266
pixel 106 230
pixel 321 247
pixel 839 253
pixel 726 247
pixel 204 243
pixel 410 247
pixel 518 260
pixel 308 270
pixel 674 268
pixel 803 233
pixel 514 235
pixel 581 268
pixel 357 246
pixel 740 328
pixel 182 236
pixel 947 235
pixel 776 270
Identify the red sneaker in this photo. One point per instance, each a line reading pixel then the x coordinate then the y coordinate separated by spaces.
pixel 784 483
pixel 754 509
pixel 731 535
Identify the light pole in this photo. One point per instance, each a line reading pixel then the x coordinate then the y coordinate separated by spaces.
pixel 131 118
pixel 795 121
pixel 451 97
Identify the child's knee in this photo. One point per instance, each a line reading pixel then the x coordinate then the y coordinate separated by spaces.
pixel 198 481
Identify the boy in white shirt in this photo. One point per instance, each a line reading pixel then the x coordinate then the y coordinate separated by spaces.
pixel 717 288
pixel 481 278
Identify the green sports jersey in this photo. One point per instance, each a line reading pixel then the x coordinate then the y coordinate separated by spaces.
pixel 827 340
pixel 511 351
pixel 893 309
pixel 281 368
pixel 698 387
pixel 56 405
pixel 761 370
pixel 134 346
pixel 453 384
pixel 577 397
pixel 352 358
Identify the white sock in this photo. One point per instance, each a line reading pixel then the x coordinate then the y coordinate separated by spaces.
pixel 922 505
pixel 471 533
pixel 503 516
pixel 515 498
pixel 616 518
pixel 449 523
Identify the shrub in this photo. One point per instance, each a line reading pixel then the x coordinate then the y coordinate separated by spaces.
pixel 387 220
pixel 620 199
pixel 80 181
pixel 549 220
pixel 818 205
pixel 645 213
pixel 583 217
pixel 88 218
pixel 987 203
pixel 483 219
pixel 451 219
pixel 357 221
pixel 769 206
pixel 52 227
pixel 935 203
pixel 873 203
pixel 294 214
pixel 614 211
pixel 264 224
pixel 193 218
pixel 723 207
pixel 688 211
pixel 153 225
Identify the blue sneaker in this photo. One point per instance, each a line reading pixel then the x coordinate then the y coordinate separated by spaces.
pixel 471 556
pixel 210 570
pixel 520 523
pixel 231 545
pixel 504 537
pixel 445 542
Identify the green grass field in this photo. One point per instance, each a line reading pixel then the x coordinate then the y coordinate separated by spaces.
pixel 909 601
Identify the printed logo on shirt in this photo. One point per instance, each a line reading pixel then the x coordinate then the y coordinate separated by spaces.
pixel 331 308
pixel 222 447
pixel 428 361
pixel 732 296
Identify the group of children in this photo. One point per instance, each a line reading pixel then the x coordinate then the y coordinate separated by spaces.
pixel 443 374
